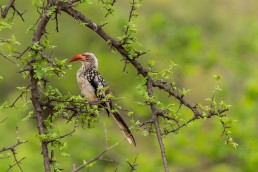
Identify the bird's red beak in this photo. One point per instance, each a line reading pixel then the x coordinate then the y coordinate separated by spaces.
pixel 76 58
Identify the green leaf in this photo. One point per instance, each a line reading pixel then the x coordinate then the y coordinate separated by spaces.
pixel 38 3
pixel 65 154
pixel 217 77
pixel 137 122
pixel 4 25
pixel 64 146
pixel 145 133
pixel 28 116
pixel 36 46
pixel 14 41
pixel 51 10
pixel 185 92
pixel 130 114
pixel 91 164
pixel 4 105
pixel 151 63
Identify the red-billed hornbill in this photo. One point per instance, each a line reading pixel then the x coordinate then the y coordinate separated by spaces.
pixel 91 81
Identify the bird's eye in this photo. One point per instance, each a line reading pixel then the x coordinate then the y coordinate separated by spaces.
pixel 86 57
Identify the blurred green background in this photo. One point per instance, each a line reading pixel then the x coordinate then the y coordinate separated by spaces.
pixel 202 37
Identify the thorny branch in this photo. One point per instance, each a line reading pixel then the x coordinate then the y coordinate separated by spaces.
pixel 15 163
pixel 131 14
pixel 63 136
pixel 13 104
pixel 6 57
pixel 5 11
pixel 3 120
pixel 155 113
pixel 13 146
pixel 12 149
pixel 22 53
pixel 133 165
pixel 97 157
pixel 35 95
pixel 9 6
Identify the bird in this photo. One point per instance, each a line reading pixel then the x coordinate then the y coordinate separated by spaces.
pixel 91 83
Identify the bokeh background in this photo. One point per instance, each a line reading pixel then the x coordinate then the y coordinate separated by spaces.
pixel 202 37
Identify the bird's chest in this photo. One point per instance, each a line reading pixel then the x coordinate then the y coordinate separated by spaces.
pixel 87 89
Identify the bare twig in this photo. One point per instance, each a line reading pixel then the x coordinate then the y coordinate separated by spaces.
pixel 16 160
pixel 181 126
pixel 3 120
pixel 18 12
pixel 22 53
pixel 12 149
pixel 15 163
pixel 133 165
pixel 65 135
pixel 56 19
pixel 125 66
pixel 6 57
pixel 13 104
pixel 146 122
pixel 97 157
pixel 7 8
pixel 13 146
pixel 4 157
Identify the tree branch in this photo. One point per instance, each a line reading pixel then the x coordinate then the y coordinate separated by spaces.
pixel 3 120
pixel 35 95
pixel 130 16
pixel 157 127
pixel 133 165
pixel 97 157
pixel 12 149
pixel 15 163
pixel 6 57
pixel 7 8
pixel 171 92
pixel 13 104
pixel 13 146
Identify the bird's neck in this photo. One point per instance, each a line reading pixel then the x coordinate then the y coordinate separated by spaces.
pixel 88 66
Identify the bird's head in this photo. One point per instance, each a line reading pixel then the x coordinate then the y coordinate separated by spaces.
pixel 88 60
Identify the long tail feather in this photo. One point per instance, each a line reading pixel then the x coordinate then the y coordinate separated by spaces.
pixel 122 125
